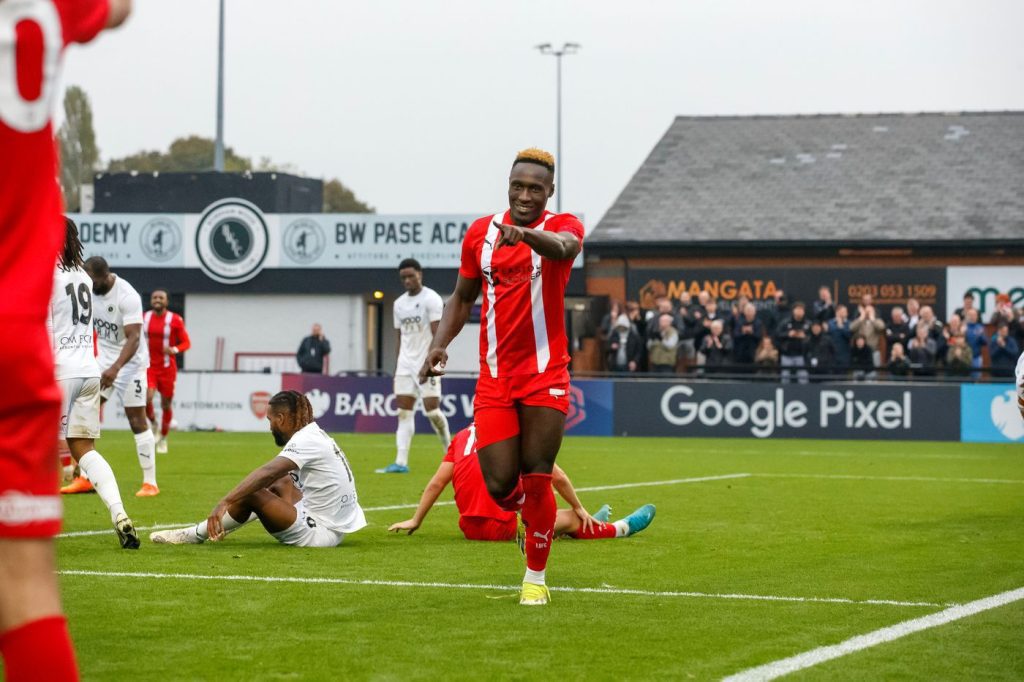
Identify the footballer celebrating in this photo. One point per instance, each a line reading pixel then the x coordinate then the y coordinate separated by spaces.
pixel 481 519
pixel 71 330
pixel 166 338
pixel 305 496
pixel 417 313
pixel 520 259
pixel 117 318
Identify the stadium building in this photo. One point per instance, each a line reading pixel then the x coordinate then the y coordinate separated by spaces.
pixel 926 206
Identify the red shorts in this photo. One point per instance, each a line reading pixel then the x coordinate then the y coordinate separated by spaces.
pixel 30 405
pixel 487 529
pixel 162 379
pixel 494 407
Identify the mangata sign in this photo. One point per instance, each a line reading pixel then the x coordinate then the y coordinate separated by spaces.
pixel 888 286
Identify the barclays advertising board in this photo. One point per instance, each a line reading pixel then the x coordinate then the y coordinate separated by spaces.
pixel 990 414
pixel 367 404
pixel 831 411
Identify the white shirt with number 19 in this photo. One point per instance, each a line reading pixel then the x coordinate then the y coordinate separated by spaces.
pixel 413 315
pixel 120 306
pixel 70 325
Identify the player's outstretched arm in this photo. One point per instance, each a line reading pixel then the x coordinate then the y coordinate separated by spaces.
pixel 442 477
pixel 257 480
pixel 563 486
pixel 552 245
pixel 453 319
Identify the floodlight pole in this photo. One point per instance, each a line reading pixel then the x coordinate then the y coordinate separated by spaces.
pixel 218 151
pixel 546 49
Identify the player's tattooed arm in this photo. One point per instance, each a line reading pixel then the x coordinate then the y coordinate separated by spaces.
pixel 453 319
pixel 257 480
pixel 553 245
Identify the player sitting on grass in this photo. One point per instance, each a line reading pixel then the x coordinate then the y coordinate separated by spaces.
pixel 305 496
pixel 480 518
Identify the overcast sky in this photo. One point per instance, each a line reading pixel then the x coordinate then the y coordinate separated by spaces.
pixel 420 105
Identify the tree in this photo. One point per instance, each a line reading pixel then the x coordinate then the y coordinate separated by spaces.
pixel 186 154
pixel 340 199
pixel 78 151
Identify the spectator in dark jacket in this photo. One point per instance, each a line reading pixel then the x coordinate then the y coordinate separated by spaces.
pixel 312 351
pixel 823 310
pixel 862 360
pixel 746 335
pixel 792 336
pixel 716 346
pixel 898 365
pixel 1003 352
pixel 839 331
pixel 625 347
pixel 821 353
pixel 897 331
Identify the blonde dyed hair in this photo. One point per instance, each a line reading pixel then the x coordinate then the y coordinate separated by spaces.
pixel 536 155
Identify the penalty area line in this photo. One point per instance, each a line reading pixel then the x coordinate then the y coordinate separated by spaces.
pixel 807 659
pixel 472 586
pixel 444 503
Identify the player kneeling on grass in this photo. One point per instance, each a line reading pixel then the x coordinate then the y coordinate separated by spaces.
pixel 305 496
pixel 480 518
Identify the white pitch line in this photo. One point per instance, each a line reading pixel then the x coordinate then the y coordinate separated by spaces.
pixel 807 659
pixel 445 503
pixel 927 479
pixel 472 586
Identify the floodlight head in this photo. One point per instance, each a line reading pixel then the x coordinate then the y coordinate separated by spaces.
pixel 569 48
pixel 545 48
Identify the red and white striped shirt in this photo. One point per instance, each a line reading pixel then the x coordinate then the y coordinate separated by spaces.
pixel 164 331
pixel 522 325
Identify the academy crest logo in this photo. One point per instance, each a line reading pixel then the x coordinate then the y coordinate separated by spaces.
pixel 304 241
pixel 160 239
pixel 259 403
pixel 232 241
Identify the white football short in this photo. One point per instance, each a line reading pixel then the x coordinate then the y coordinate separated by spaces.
pixel 307 531
pixel 80 412
pixel 130 388
pixel 407 385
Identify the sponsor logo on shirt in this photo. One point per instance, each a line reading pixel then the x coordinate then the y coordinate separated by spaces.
pixel 232 241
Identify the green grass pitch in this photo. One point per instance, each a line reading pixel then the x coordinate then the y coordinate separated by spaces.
pixel 933 523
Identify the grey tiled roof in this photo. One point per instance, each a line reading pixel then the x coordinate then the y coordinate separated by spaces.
pixel 835 178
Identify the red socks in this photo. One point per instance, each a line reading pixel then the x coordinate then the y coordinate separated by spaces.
pixel 599 531
pixel 39 650
pixel 539 512
pixel 165 421
pixel 513 502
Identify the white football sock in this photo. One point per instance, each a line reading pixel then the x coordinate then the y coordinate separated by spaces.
pixel 440 424
pixel 145 446
pixel 227 522
pixel 403 436
pixel 99 472
pixel 621 528
pixel 535 577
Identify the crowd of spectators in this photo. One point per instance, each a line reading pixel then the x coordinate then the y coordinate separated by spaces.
pixel 798 342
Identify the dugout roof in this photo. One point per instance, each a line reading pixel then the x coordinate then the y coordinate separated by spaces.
pixel 880 179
